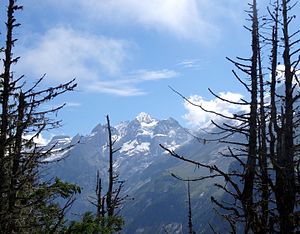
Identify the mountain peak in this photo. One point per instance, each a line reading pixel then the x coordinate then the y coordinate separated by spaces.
pixel 144 118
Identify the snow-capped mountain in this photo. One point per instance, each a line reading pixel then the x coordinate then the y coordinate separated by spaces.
pixel 159 199
pixel 137 140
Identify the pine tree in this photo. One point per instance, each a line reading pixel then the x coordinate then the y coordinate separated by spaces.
pixel 27 203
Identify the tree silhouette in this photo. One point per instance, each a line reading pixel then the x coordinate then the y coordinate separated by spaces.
pixel 262 186
pixel 27 203
pixel 107 218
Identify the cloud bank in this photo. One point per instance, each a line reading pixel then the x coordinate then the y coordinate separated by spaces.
pixel 195 116
pixel 95 61
pixel 63 53
pixel 187 19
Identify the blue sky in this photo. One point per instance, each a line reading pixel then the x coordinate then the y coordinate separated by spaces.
pixel 125 53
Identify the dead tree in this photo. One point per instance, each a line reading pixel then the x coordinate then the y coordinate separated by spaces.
pixel 285 174
pixel 190 216
pixel 108 205
pixel 265 190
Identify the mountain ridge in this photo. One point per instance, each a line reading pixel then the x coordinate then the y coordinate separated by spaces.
pixel 145 167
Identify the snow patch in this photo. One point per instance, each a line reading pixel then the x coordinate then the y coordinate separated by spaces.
pixel 150 124
pixel 133 147
pixel 144 147
pixel 56 154
pixel 160 135
pixel 121 128
pixel 172 133
pixel 127 146
pixel 173 146
pixel 145 118
pixel 145 132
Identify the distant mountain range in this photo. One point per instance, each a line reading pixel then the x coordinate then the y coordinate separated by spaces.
pixel 160 201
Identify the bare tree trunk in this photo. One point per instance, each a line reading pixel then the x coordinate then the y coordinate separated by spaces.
pixel 190 216
pixel 273 126
pixel 247 197
pixel 99 196
pixel 109 201
pixel 14 176
pixel 263 165
pixel 6 161
pixel 285 174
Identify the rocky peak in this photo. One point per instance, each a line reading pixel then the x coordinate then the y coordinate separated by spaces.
pixel 144 118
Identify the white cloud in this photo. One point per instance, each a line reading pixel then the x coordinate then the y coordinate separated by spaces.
pixel 39 140
pixel 179 17
pixel 115 88
pixel 197 117
pixel 63 53
pixel 189 19
pixel 126 86
pixel 150 75
pixel 196 64
pixel 96 62
pixel 281 73
pixel 73 104
pixel 188 63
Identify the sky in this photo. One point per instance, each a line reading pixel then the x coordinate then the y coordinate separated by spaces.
pixel 125 54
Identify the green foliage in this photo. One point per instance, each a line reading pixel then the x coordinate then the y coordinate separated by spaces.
pixel 28 204
pixel 49 215
pixel 93 225
pixel 56 189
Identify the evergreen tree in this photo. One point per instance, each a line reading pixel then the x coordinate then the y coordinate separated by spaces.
pixel 27 203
